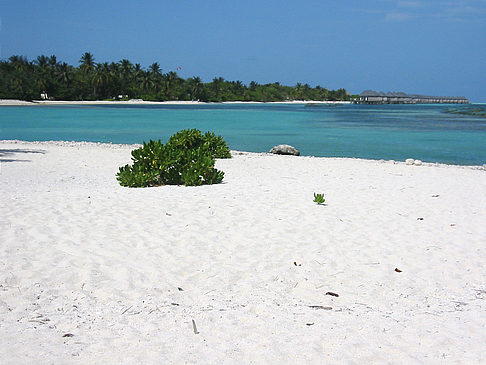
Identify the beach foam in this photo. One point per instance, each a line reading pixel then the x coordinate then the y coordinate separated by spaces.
pixel 91 272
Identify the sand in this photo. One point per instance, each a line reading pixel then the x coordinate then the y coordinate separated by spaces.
pixel 13 102
pixel 240 272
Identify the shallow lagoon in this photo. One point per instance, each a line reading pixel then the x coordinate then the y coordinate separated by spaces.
pixel 388 132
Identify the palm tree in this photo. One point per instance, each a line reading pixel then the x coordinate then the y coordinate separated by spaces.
pixel 87 62
pixel 147 81
pixel 305 90
pixel 218 87
pixel 42 61
pixel 19 63
pixel 126 68
pixel 102 78
pixel 171 79
pixel 22 79
pixel 41 72
pixel 64 73
pixel 156 76
pixel 154 69
pixel 299 92
pixel 136 84
pixel 87 66
pixel 195 85
pixel 238 87
pixel 52 60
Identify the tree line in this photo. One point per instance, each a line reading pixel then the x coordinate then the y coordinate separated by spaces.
pixel 27 80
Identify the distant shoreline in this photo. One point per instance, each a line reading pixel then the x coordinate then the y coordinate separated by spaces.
pixel 14 102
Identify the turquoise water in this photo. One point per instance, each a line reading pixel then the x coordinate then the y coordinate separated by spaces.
pixel 365 131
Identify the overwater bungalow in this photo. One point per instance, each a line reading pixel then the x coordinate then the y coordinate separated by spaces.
pixel 373 97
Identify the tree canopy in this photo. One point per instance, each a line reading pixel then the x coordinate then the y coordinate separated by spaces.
pixel 90 80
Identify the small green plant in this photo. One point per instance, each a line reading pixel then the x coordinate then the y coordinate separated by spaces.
pixel 319 198
pixel 186 159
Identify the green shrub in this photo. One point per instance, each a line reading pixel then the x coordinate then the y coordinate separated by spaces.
pixel 217 146
pixel 136 177
pixel 187 138
pixel 193 138
pixel 147 162
pixel 186 159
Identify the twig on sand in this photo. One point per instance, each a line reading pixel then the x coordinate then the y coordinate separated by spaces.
pixel 126 310
pixel 339 272
pixel 196 332
pixel 332 294
pixel 320 307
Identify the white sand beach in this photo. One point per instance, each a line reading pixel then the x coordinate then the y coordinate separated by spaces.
pixel 13 102
pixel 240 272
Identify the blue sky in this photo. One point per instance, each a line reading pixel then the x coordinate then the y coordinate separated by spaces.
pixel 427 47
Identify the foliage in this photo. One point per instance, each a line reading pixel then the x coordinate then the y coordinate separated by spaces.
pixel 91 80
pixel 216 145
pixel 319 198
pixel 193 139
pixel 187 158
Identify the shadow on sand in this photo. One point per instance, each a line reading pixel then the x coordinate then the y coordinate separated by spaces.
pixel 14 152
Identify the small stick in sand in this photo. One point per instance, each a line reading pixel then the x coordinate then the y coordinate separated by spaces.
pixel 196 332
pixel 126 310
pixel 332 294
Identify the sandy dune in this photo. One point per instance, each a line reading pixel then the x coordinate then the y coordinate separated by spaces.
pixel 94 273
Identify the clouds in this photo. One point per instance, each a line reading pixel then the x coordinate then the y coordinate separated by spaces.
pixel 410 4
pixel 397 17
pixel 462 10
pixel 406 10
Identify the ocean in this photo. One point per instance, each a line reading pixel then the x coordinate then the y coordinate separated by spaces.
pixel 390 132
